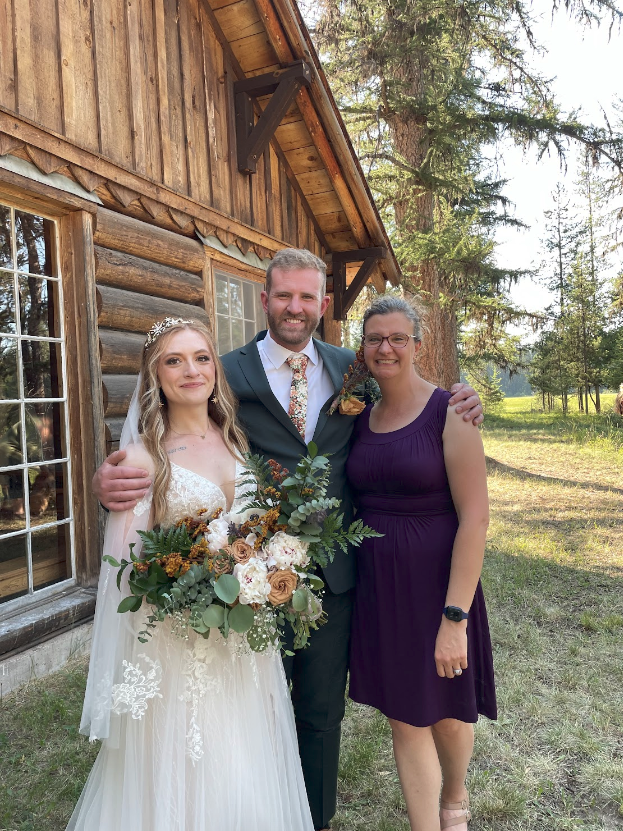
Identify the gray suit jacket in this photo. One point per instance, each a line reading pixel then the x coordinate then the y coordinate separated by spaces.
pixel 272 433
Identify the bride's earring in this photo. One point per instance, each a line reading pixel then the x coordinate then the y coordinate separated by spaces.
pixel 163 400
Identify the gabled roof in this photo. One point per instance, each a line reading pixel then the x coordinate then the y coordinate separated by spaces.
pixel 267 35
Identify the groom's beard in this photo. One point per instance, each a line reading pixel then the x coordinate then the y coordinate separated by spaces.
pixel 293 336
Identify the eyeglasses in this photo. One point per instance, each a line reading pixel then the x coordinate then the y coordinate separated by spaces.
pixel 397 340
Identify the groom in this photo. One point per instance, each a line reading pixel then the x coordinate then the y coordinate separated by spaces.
pixel 285 382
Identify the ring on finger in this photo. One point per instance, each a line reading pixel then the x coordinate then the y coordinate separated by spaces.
pixel 458 671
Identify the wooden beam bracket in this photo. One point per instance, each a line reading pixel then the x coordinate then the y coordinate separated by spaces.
pixel 344 297
pixel 283 84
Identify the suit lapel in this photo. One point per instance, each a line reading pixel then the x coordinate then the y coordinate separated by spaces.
pixel 250 364
pixel 331 363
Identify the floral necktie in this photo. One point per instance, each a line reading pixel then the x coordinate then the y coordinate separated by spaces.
pixel 298 391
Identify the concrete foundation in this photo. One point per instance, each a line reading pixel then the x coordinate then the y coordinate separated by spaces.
pixel 44 658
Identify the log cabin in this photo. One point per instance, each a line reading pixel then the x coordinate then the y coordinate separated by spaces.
pixel 154 154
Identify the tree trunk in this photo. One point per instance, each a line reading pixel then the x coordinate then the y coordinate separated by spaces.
pixel 439 357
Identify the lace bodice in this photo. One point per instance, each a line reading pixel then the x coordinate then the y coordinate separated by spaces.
pixel 189 492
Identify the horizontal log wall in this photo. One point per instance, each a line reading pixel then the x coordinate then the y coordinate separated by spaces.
pixel 143 273
pixel 148 85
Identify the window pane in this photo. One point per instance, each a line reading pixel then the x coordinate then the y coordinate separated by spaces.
pixel 37 304
pixel 260 315
pixel 6 258
pixel 12 512
pixel 224 340
pixel 8 368
pixel 235 298
pixel 42 369
pixel 34 252
pixel 44 432
pixel 7 303
pixel 10 435
pixel 248 295
pixel 50 556
pixel 13 568
pixel 249 331
pixel 237 333
pixel 222 290
pixel 48 493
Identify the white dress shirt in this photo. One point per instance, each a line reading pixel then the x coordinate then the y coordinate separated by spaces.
pixel 279 374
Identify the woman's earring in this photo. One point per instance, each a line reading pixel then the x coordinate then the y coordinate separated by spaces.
pixel 163 399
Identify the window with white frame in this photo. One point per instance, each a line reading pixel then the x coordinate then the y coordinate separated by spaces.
pixel 239 312
pixel 35 499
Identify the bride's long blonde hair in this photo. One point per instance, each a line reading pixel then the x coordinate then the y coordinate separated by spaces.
pixel 153 423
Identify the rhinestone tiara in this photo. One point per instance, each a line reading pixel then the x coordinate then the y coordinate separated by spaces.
pixel 161 327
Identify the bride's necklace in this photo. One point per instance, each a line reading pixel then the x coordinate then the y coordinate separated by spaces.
pixel 197 435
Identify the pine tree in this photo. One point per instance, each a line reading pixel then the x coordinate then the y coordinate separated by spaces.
pixel 424 86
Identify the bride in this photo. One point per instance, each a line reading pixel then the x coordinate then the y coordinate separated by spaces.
pixel 197 735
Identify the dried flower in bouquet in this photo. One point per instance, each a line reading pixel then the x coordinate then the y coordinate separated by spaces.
pixel 250 572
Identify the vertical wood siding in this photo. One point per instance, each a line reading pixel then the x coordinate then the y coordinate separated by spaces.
pixel 147 84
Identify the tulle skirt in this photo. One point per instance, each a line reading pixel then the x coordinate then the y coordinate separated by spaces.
pixel 203 739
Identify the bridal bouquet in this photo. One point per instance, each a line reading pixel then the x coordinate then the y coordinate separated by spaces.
pixel 250 572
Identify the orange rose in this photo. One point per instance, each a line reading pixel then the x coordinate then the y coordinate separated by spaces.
pixel 241 551
pixel 282 583
pixel 352 406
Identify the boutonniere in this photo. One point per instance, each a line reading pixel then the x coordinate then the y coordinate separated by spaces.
pixel 358 384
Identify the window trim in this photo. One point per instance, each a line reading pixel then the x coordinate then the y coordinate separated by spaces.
pixel 32 594
pixel 84 418
pixel 238 274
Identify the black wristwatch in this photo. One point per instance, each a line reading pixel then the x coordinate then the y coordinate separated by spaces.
pixel 455 614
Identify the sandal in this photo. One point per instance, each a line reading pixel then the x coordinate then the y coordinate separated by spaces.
pixel 455 806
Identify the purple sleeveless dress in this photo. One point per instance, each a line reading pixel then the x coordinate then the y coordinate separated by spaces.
pixel 401 488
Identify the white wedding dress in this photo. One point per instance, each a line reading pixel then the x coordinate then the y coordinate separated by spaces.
pixel 199 734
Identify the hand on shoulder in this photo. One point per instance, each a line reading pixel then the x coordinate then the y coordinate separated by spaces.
pixel 468 402
pixel 137 456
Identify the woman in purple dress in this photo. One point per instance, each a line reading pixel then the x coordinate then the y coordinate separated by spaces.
pixel 421 652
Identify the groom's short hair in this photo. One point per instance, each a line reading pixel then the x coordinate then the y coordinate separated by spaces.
pixel 293 259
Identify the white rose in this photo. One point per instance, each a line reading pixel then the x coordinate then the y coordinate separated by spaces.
pixel 285 551
pixel 253 579
pixel 217 535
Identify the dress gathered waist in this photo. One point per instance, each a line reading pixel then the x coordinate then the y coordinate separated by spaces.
pixel 428 504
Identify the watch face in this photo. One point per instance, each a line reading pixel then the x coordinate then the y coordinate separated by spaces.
pixel 454 613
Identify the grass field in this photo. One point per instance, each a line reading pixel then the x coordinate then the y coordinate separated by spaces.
pixel 554 583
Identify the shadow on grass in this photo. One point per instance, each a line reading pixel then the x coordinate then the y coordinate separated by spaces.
pixel 493 465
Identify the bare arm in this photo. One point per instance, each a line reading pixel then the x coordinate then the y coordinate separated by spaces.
pixel 467 475
pixel 469 403
pixel 118 483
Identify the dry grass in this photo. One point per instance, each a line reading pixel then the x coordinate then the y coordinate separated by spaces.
pixel 554 583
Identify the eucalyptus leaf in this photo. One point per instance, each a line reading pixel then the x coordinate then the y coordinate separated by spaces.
pixel 315 582
pixel 112 561
pixel 299 600
pixel 312 449
pixel 214 615
pixel 227 588
pixel 241 618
